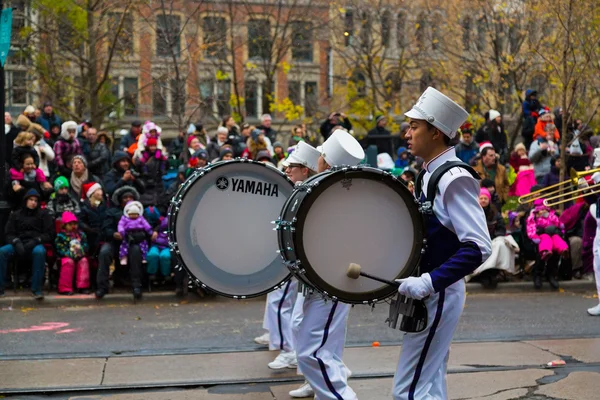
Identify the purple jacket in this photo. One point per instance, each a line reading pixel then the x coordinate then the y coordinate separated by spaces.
pixel 63 150
pixel 127 224
pixel 162 241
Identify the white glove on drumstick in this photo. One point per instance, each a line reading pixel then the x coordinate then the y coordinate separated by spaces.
pixel 416 287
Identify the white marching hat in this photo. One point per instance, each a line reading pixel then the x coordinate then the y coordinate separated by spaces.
pixel 440 111
pixel 341 148
pixel 304 154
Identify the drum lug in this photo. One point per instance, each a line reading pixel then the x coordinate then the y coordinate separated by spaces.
pixel 308 190
pixel 292 229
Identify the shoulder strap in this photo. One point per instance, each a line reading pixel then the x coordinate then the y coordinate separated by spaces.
pixel 440 171
pixel 419 183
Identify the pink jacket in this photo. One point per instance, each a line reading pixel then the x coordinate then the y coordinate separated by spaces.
pixel 534 222
pixel 16 175
pixel 523 184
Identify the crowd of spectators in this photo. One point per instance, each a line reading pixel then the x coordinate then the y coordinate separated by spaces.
pixel 87 212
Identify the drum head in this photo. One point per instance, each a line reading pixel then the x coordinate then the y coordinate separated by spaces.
pixel 222 230
pixel 362 217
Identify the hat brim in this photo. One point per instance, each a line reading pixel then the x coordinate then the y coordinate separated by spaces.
pixel 415 114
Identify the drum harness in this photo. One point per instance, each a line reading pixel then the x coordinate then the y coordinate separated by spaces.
pixel 414 312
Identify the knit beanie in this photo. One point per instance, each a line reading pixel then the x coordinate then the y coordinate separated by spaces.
pixel 61 182
pixel 484 192
pixel 80 157
pixel 152 141
pixel 133 207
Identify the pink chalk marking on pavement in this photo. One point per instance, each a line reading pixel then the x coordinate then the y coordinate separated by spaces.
pixel 46 326
pixel 68 330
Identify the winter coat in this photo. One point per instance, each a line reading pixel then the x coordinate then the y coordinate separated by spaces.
pixel 46 154
pixel 541 159
pixel 59 204
pixel 127 141
pixel 113 180
pixel 255 146
pixel 10 137
pixel 126 225
pixel 32 227
pixel 151 167
pixel 176 147
pixel 552 177
pixel 19 152
pixel 517 162
pixel 64 151
pixel 495 222
pixel 72 245
pixel 99 159
pixel 269 133
pixel 530 105
pixel 384 145
pixel 538 222
pixel 466 152
pixel 400 162
pixel 494 133
pixel 16 198
pixel 162 240
pixel 47 120
pixel 110 224
pixel 523 183
pixel 500 180
pixel 540 130
pixel 16 175
pixel 91 220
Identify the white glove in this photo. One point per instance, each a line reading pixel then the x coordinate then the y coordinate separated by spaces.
pixel 416 287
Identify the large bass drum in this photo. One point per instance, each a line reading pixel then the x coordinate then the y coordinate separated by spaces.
pixel 220 227
pixel 356 215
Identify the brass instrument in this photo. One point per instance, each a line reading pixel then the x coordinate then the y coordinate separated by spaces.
pixel 552 194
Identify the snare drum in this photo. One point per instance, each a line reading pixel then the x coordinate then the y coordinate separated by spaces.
pixel 220 227
pixel 356 215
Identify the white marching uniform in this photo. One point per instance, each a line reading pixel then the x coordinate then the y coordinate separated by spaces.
pixel 278 318
pixel 459 243
pixel 596 248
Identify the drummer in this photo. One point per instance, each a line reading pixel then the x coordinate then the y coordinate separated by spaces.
pixel 322 332
pixel 459 240
pixel 281 310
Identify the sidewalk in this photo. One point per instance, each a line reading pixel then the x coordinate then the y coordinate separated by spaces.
pixel 23 298
pixel 475 370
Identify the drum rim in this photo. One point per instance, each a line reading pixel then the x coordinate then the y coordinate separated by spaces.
pixel 304 207
pixel 173 211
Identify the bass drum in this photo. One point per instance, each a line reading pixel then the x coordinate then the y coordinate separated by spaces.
pixel 220 227
pixel 356 215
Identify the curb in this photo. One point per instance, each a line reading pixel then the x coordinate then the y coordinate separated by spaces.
pixel 22 298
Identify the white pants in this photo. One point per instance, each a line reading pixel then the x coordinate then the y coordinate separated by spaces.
pixel 421 372
pixel 278 317
pixel 320 347
pixel 597 264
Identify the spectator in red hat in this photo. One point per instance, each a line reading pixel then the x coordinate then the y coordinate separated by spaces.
pixel 151 165
pixel 93 214
pixel 72 248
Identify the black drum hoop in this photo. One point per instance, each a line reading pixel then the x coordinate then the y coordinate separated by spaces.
pixel 304 208
pixel 173 211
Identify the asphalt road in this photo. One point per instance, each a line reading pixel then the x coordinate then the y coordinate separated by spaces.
pixel 220 324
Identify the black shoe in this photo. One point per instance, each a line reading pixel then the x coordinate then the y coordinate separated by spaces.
pixel 1 292
pixel 66 293
pixel 179 292
pixel 137 293
pixel 100 293
pixel 537 282
pixel 84 291
pixel 553 282
pixel 37 295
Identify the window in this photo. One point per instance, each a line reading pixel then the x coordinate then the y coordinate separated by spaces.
pixel 206 97
pixel 215 37
pixel 467 27
pixel 386 26
pixel 514 37
pixel 259 34
pixel 16 88
pixel 348 27
pixel 311 99
pixel 401 29
pixel 365 30
pixel 358 80
pixel 177 97
pixel 124 41
pixel 223 96
pixel 19 13
pixel 68 38
pixel 130 96
pixel 159 96
pixel 302 47
pixel 167 35
pixel 251 95
pixel 481 33
pixel 268 95
pixel 294 93
pixel 421 34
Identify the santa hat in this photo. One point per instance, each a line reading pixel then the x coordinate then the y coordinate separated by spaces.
pixel 89 189
pixel 483 145
pixel 152 141
pixel 133 207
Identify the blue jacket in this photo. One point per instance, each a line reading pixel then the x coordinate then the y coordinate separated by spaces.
pixel 400 163
pixel 47 120
pixel 467 152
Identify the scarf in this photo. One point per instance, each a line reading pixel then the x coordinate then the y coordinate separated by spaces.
pixel 76 182
pixel 29 176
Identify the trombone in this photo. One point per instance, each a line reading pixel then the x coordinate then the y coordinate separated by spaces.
pixel 553 192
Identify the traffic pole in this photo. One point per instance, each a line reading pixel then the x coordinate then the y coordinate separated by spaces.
pixel 4 205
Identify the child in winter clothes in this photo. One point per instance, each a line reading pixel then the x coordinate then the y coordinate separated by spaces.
pixel 131 226
pixel 403 158
pixel 543 228
pixel 72 246
pixel 61 200
pixel 149 130
pixel 24 146
pixel 159 255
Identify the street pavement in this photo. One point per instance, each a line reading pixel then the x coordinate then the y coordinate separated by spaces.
pixel 203 349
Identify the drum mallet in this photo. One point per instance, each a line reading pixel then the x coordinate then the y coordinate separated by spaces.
pixel 354 272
